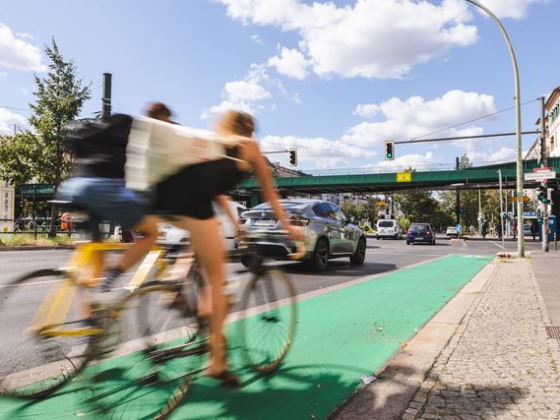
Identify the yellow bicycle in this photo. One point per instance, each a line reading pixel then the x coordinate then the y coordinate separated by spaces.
pixel 51 323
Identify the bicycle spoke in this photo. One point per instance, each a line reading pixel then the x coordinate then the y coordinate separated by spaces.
pixel 268 334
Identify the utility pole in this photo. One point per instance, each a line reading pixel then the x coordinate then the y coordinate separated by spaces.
pixel 106 100
pixel 458 197
pixel 545 239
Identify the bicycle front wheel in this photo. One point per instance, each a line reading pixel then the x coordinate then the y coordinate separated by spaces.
pixel 157 367
pixel 268 320
pixel 46 334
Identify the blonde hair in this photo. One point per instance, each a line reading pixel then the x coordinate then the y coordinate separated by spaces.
pixel 236 122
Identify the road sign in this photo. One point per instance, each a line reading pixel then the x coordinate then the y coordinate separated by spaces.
pixel 526 199
pixel 382 203
pixel 540 176
pixel 538 170
pixel 459 228
pixel 404 177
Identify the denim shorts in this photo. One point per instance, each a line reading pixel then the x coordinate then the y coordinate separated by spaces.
pixel 105 198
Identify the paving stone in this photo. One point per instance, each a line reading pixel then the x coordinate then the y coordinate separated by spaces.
pixel 499 363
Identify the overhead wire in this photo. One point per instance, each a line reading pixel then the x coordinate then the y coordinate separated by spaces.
pixel 473 120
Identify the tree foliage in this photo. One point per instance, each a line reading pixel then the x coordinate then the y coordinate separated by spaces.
pixel 18 155
pixel 40 153
pixel 60 97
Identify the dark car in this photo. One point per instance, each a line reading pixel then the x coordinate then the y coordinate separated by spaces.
pixel 328 232
pixel 420 232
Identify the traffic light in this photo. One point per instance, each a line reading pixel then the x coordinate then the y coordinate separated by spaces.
pixel 542 194
pixel 389 150
pixel 293 157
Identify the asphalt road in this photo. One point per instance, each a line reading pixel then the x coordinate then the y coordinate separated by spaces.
pixel 382 256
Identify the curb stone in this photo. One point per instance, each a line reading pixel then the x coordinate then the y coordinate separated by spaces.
pixel 36 248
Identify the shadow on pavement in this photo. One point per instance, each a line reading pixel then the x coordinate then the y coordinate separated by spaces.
pixel 342 268
pixel 306 392
pixel 393 391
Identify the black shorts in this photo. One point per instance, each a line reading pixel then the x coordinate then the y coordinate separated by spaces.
pixel 191 192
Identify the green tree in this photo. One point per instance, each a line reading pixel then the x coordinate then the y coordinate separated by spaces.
pixel 18 155
pixel 60 97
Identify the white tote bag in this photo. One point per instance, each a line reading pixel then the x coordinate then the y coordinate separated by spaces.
pixel 156 150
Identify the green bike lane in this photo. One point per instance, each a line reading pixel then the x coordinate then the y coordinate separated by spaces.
pixel 341 335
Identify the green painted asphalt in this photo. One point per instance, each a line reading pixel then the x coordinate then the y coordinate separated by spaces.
pixel 341 335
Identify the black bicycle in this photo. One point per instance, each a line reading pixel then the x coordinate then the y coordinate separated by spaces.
pixel 174 349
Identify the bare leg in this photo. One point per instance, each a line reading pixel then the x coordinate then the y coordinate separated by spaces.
pixel 149 230
pixel 205 237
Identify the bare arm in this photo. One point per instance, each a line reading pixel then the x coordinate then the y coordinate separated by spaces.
pixel 268 192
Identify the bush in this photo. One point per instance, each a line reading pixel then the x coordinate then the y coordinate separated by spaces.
pixel 29 240
pixel 404 223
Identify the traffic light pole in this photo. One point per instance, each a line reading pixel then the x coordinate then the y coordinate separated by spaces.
pixel 545 238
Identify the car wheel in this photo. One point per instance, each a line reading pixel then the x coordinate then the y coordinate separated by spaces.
pixel 407 242
pixel 320 256
pixel 360 254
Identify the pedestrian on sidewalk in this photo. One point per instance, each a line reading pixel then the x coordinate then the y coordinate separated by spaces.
pixel 534 228
pixel 499 230
pixel 484 229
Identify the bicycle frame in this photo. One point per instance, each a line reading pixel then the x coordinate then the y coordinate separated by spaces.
pixel 52 312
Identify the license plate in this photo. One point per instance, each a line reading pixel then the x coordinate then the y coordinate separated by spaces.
pixel 264 223
pixel 418 239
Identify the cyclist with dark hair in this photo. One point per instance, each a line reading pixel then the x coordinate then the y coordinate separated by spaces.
pixel 98 185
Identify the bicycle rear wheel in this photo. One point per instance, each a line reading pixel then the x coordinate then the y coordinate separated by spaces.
pixel 46 334
pixel 268 320
pixel 153 378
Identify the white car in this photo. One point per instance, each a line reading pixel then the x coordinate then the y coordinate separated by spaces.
pixel 388 228
pixel 452 232
pixel 170 234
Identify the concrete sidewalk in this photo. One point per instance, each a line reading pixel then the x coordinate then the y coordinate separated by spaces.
pixel 487 355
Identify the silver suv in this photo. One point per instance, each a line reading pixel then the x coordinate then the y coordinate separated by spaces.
pixel 328 232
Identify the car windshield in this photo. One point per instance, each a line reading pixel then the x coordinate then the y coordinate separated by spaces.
pixel 287 205
pixel 419 228
pixel 450 227
pixel 385 223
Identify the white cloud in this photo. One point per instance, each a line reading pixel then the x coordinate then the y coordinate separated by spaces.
pixel 8 119
pixel 505 154
pixel 317 151
pixel 3 75
pixel 256 39
pixel 17 54
pixel 367 110
pixel 416 117
pixel 414 161
pixel 25 35
pixel 373 38
pixel 291 63
pixel 243 95
pixel 515 9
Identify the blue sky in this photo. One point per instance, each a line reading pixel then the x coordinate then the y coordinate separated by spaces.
pixel 334 80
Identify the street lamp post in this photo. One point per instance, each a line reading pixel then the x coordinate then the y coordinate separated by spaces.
pixel 501 230
pixel 520 237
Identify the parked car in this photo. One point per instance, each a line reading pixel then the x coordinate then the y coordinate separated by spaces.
pixel 388 228
pixel 452 232
pixel 328 232
pixel 420 232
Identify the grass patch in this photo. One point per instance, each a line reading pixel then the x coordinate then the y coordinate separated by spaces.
pixel 29 240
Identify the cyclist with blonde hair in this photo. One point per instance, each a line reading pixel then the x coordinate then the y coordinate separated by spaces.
pixel 190 194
